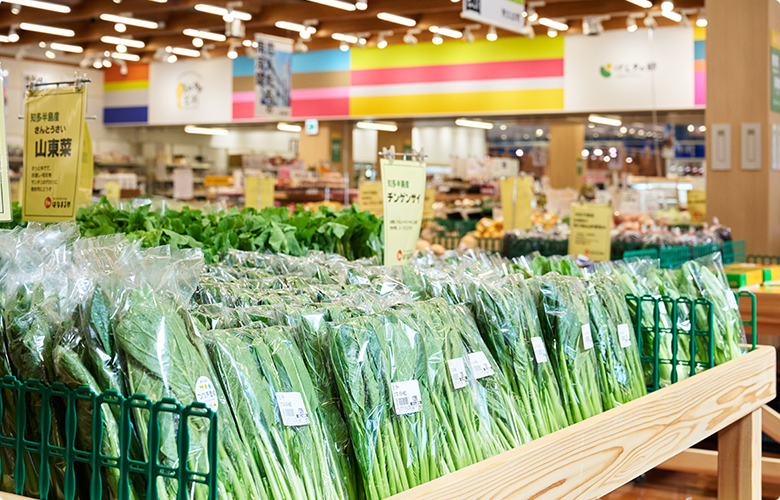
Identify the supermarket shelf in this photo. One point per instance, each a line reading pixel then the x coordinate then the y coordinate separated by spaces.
pixel 596 456
pixel 119 165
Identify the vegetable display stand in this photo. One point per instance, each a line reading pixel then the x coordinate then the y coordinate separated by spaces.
pixel 600 454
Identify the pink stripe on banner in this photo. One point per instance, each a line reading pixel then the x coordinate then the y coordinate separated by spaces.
pixel 243 97
pixel 243 110
pixel 540 68
pixel 700 89
pixel 323 93
pixel 320 107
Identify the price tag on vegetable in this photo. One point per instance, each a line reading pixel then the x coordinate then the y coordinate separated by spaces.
pixel 480 365
pixel 206 393
pixel 406 397
pixel 403 194
pixel 587 338
pixel 292 409
pixel 540 352
pixel 624 336
pixel 458 373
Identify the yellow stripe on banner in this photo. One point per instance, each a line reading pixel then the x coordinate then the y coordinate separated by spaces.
pixel 775 41
pixel 699 33
pixel 465 102
pixel 481 51
pixel 131 85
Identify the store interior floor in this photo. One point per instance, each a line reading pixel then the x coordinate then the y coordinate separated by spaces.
pixel 668 485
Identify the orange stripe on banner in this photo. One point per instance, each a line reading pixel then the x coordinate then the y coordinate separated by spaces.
pixel 134 72
pixel 466 102
pixel 700 65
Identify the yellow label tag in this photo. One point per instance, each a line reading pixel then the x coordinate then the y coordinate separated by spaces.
pixel 697 206
pixel 590 224
pixel 113 191
pixel 370 197
pixel 250 192
pixel 403 192
pixel 267 189
pixel 219 180
pixel 517 192
pixel 54 139
pixel 430 198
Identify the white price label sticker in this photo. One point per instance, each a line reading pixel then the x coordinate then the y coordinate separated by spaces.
pixel 731 300
pixel 624 336
pixel 540 352
pixel 206 393
pixel 480 365
pixel 587 338
pixel 406 397
pixel 458 373
pixel 292 409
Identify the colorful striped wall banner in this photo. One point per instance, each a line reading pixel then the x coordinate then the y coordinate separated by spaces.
pixel 126 97
pixel 321 84
pixel 243 88
pixel 509 75
pixel 700 66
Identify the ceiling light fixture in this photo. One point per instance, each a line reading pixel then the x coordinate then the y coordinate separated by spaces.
pixel 179 51
pixel 35 4
pixel 409 37
pixel 672 15
pixel 667 6
pixel 392 18
pixel 593 25
pixel 300 28
pixel 126 57
pixel 337 4
pixel 13 36
pixel 380 126
pixel 232 53
pixel 701 22
pixel 64 47
pixel 437 39
pixel 192 129
pixel 120 28
pixel 208 35
pixel 631 24
pixel 49 30
pixel 544 21
pixel 528 31
pixel 128 42
pixel 381 42
pixel 301 47
pixel 107 63
pixel 552 33
pixel 344 38
pixel 605 120
pixel 287 127
pixel 344 46
pixel 492 36
pixel 645 4
pixel 650 21
pixel 468 32
pixel 121 48
pixel 531 14
pixel 197 42
pixel 97 64
pixel 361 4
pixel 50 54
pixel 172 59
pixel 130 21
pixel 449 32
pixel 221 11
pixel 463 122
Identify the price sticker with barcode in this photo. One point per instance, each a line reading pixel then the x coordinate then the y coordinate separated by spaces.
pixel 540 352
pixel 587 338
pixel 458 373
pixel 292 409
pixel 624 336
pixel 406 397
pixel 480 365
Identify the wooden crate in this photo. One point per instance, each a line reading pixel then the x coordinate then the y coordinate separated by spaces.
pixel 596 456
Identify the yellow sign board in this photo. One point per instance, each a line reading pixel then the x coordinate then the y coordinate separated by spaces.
pixel 259 192
pixel 591 224
pixel 430 198
pixel 54 138
pixel 517 192
pixel 370 197
pixel 403 192
pixel 250 192
pixel 697 206
pixel 113 191
pixel 219 181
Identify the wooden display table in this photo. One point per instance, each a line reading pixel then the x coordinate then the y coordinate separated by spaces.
pixel 767 310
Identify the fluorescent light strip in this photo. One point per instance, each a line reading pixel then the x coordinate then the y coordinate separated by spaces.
pixel 392 18
pixel 64 47
pixel 286 127
pixel 217 37
pixel 450 33
pixel 221 11
pixel 126 57
pixel 605 120
pixel 384 127
pixel 336 3
pixel 35 4
pixel 344 38
pixel 127 42
pixel 553 24
pixel 462 122
pixel 645 4
pixel 300 28
pixel 672 15
pixel 49 30
pixel 130 21
pixel 185 52
pixel 192 129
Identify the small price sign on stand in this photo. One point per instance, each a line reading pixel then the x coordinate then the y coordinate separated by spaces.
pixel 516 198
pixel 697 206
pixel 259 192
pixel 591 224
pixel 370 197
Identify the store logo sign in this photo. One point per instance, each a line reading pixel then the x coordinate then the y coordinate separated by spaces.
pixel 626 70
pixel 189 90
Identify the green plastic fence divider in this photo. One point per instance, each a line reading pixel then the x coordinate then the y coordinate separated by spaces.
pixel 95 458
pixel 704 250
pixel 672 257
pixel 456 227
pixel 648 253
pixel 519 247
pixel 764 260
pixel 752 322
pixel 733 251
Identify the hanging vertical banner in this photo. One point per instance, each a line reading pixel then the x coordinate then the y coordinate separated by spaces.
pixel 403 190
pixel 591 225
pixel 6 212
pixel 504 14
pixel 53 140
pixel 273 76
pixel 697 206
pixel 266 192
pixel 517 192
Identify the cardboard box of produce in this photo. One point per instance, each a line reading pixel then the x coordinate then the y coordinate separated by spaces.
pixel 770 273
pixel 740 278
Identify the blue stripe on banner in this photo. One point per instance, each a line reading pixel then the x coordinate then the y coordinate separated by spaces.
pixel 321 60
pixel 699 49
pixel 138 114
pixel 243 66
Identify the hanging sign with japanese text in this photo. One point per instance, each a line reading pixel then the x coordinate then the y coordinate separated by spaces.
pixel 273 76
pixel 53 140
pixel 505 14
pixel 403 192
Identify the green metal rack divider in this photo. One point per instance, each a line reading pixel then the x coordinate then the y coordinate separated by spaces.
pixel 734 251
pixel 704 250
pixel 520 247
pixel 95 458
pixel 452 242
pixel 764 260
pixel 672 257
pixel 648 253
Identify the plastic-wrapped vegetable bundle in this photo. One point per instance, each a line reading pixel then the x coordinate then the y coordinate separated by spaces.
pixel 563 312
pixel 561 264
pixel 278 413
pixel 509 323
pixel 620 371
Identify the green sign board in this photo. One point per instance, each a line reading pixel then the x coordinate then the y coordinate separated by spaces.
pixel 335 150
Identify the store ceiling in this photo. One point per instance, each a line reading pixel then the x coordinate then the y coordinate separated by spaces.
pixel 174 16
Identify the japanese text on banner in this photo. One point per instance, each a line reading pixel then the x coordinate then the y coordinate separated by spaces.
pixel 403 192
pixel 591 225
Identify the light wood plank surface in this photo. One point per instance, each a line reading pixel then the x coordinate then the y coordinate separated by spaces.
pixel 696 461
pixel 594 457
pixel 739 459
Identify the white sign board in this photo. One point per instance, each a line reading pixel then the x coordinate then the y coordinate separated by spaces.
pixel 751 146
pixel 720 138
pixel 504 14
pixel 618 70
